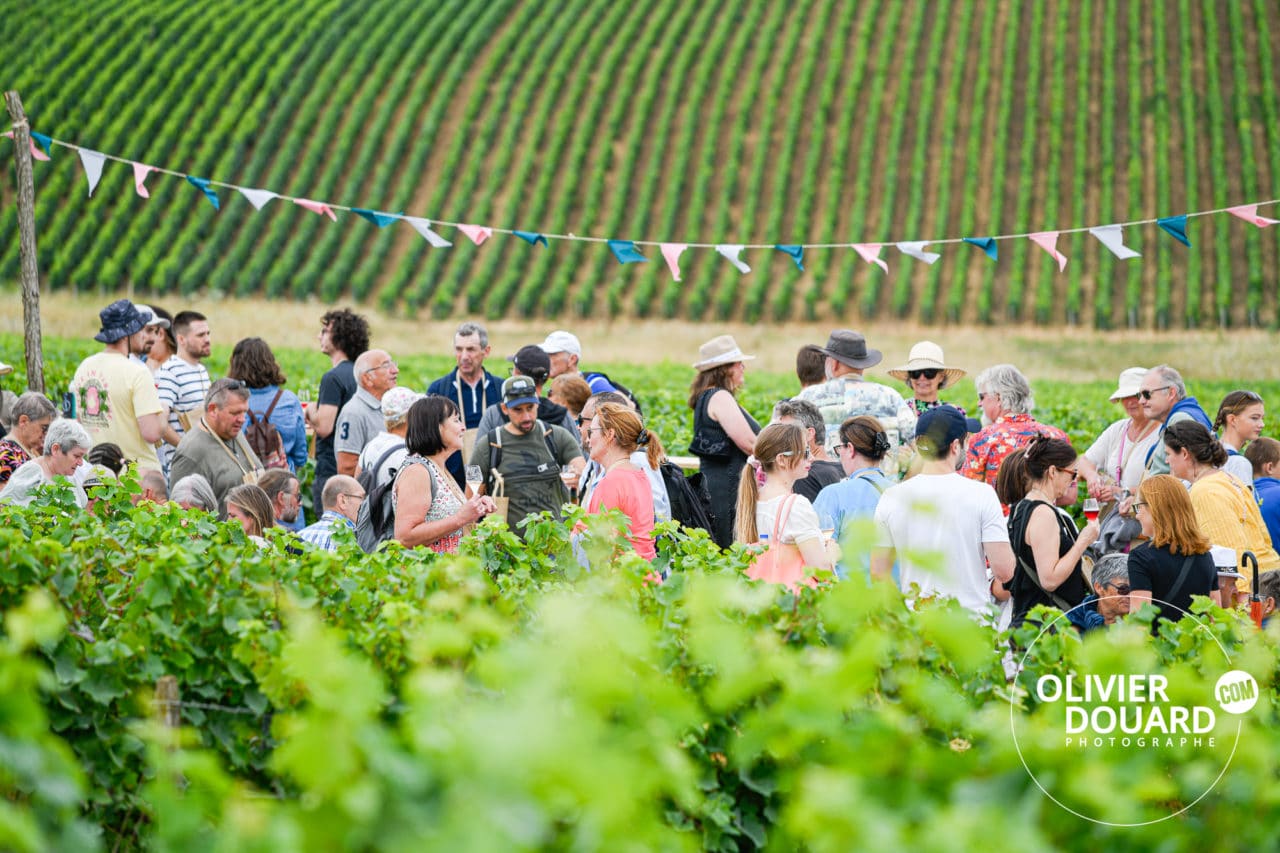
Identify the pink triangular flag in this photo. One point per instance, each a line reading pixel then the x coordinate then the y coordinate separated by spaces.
pixel 140 173
pixel 671 251
pixel 1048 240
pixel 35 149
pixel 477 233
pixel 1249 213
pixel 316 207
pixel 870 252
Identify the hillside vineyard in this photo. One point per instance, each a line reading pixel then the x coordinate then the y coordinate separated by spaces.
pixel 808 122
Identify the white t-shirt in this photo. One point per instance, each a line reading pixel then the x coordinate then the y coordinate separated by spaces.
pixel 1239 467
pixel 373 451
pixel 950 517
pixel 1114 451
pixel 802 522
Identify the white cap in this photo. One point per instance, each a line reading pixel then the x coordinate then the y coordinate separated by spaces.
pixel 397 401
pixel 561 341
pixel 155 319
pixel 1130 383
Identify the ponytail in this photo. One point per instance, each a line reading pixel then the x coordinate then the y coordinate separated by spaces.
pixel 744 528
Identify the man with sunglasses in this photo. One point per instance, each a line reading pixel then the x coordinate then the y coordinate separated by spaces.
pixel 1109 600
pixel 1164 399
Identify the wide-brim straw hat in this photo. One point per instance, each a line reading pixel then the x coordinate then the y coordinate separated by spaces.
pixel 1130 383
pixel 718 351
pixel 927 355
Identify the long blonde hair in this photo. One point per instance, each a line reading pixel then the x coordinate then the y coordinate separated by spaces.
pixel 629 432
pixel 774 441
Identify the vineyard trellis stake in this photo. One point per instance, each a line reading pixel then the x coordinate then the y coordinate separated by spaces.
pixel 29 272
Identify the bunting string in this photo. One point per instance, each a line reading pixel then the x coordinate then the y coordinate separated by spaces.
pixel 627 251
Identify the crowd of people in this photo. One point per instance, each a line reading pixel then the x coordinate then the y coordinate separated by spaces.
pixel 952 506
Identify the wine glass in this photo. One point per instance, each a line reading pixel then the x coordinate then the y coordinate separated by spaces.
pixel 1090 509
pixel 474 478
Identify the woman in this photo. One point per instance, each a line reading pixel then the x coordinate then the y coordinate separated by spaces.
pixel 767 505
pixel 65 445
pixel 429 507
pixel 1005 397
pixel 723 433
pixel 249 505
pixel 615 433
pixel 1038 480
pixel 386 451
pixel 863 446
pixel 253 363
pixel 1239 421
pixel 570 391
pixel 926 373
pixel 165 346
pixel 1224 507
pixel 1115 462
pixel 1174 563
pixel 194 492
pixel 32 413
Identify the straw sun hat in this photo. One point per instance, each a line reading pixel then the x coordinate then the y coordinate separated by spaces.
pixel 718 351
pixel 923 356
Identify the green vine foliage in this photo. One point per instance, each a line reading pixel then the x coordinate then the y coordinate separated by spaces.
pixel 517 696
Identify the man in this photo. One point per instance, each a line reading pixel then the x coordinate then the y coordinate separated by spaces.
pixel 183 381
pixel 214 447
pixel 154 488
pixel 1110 597
pixel 824 471
pixel 939 511
pixel 527 454
pixel 113 396
pixel 155 329
pixel 361 418
pixel 846 394
pixel 65 445
pixel 344 337
pixel 810 366
pixel 469 385
pixel 341 500
pixel 282 488
pixel 1164 399
pixel 565 352
pixel 532 362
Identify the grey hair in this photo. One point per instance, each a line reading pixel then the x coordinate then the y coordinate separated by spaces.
pixel 468 329
pixel 218 392
pixel 1007 383
pixel 194 489
pixel 68 435
pixel 806 414
pixel 1110 569
pixel 34 405
pixel 364 363
pixel 1172 377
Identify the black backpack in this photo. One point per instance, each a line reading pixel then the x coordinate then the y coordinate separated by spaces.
pixel 619 387
pixel 376 520
pixel 690 503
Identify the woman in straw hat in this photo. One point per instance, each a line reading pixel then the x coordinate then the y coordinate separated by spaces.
pixel 1117 460
pixel 723 433
pixel 926 373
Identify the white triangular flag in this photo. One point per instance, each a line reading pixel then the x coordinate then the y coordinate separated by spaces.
pixel 1112 237
pixel 423 227
pixel 916 250
pixel 731 254
pixel 257 198
pixel 92 162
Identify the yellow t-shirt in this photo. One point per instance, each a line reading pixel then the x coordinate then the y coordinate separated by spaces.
pixel 111 393
pixel 1229 516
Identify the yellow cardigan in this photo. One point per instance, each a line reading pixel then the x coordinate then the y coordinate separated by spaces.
pixel 1229 516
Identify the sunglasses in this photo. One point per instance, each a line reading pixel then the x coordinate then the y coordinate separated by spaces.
pixel 927 373
pixel 1074 472
pixel 808 454
pixel 1120 588
pixel 1146 395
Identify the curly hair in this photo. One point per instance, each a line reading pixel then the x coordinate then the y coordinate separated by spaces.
pixel 253 363
pixel 348 331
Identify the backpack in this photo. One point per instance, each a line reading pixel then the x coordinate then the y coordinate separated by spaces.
pixel 376 518
pixel 265 439
pixel 690 503
pixel 619 387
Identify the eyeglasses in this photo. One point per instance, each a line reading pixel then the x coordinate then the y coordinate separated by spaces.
pixel 359 497
pixel 1146 394
pixel 982 395
pixel 385 365
pixel 1074 472
pixel 926 373
pixel 594 429
pixel 1137 504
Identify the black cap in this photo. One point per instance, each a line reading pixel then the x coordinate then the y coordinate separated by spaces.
pixel 533 362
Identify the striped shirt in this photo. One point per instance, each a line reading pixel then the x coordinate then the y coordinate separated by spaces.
pixel 320 534
pixel 182 387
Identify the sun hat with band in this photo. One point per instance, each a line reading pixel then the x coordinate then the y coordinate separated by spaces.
pixel 927 355
pixel 1130 383
pixel 718 351
pixel 850 348
pixel 119 320
pixel 156 319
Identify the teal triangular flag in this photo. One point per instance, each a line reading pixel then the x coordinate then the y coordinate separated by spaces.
pixel 532 239
pixel 1175 227
pixel 45 142
pixel 382 220
pixel 202 184
pixel 986 244
pixel 796 253
pixel 626 253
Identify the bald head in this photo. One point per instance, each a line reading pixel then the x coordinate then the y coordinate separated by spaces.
pixel 342 494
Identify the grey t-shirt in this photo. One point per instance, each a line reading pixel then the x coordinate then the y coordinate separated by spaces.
pixel 358 422
pixel 530 472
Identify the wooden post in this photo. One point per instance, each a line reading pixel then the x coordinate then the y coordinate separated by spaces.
pixel 168 702
pixel 29 274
